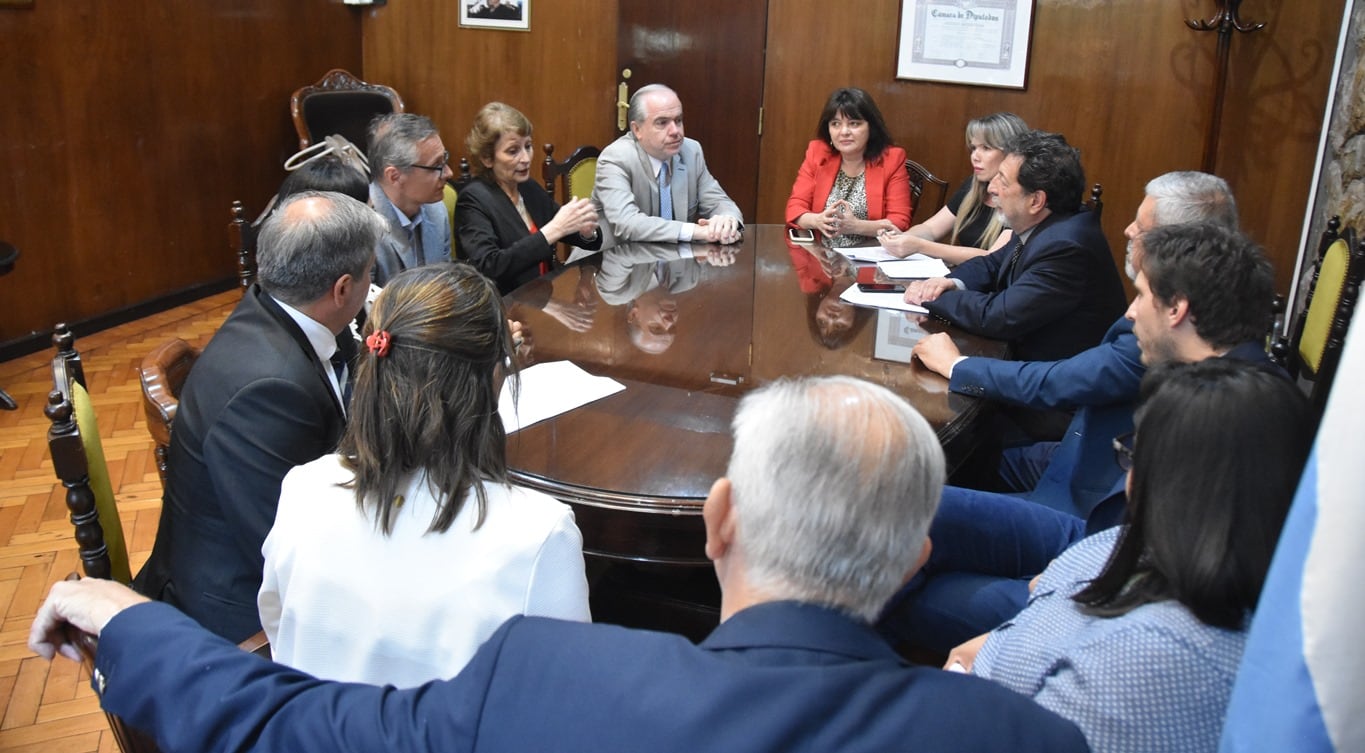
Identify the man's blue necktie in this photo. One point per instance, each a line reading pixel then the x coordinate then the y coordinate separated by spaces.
pixel 665 193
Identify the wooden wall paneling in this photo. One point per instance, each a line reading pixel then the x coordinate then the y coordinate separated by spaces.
pixel 1277 92
pixel 560 73
pixel 140 123
pixel 1126 82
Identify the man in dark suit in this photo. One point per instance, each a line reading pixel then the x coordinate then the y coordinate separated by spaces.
pixel 1208 297
pixel 652 183
pixel 409 166
pixel 1053 290
pixel 828 478
pixel 263 397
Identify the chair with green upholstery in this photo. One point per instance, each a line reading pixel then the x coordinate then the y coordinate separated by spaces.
pixel 78 460
pixel 575 176
pixel 1318 333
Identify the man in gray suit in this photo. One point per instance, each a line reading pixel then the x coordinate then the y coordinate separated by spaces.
pixel 652 183
pixel 409 168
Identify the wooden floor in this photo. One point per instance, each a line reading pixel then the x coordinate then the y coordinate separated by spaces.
pixel 50 707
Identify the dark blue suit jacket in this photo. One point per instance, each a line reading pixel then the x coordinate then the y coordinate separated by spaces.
pixel 776 677
pixel 1101 384
pixel 1054 301
pixel 257 403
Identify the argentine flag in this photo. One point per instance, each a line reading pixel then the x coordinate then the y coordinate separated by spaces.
pixel 1301 686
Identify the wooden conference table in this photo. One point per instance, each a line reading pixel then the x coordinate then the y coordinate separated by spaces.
pixel 688 337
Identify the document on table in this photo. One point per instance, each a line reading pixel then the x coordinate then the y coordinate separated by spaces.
pixel 880 300
pixel 549 389
pixel 913 266
pixel 874 252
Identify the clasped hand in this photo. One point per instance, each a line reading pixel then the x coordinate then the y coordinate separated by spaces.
pixel 719 229
pixel 921 292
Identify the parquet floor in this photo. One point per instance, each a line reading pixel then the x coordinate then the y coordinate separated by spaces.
pixel 50 707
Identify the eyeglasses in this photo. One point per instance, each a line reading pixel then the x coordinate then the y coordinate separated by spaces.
pixel 439 166
pixel 1123 451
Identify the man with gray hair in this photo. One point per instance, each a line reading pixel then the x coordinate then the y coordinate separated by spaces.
pixel 653 185
pixel 266 394
pixel 409 166
pixel 828 481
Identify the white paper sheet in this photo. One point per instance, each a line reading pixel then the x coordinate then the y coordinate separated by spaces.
pixel 880 300
pixel 549 389
pixel 866 253
pixel 913 266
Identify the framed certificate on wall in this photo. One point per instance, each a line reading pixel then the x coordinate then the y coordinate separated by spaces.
pixel 981 42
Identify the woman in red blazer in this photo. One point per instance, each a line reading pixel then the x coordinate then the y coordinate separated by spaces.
pixel 852 183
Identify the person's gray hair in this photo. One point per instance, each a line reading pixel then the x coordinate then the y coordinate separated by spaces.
pixel 1188 196
pixel 303 250
pixel 393 140
pixel 636 112
pixel 835 481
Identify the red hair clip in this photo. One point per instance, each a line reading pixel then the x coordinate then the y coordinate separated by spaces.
pixel 378 342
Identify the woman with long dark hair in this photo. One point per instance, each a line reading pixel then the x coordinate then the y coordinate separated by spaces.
pixel 392 560
pixel 1135 633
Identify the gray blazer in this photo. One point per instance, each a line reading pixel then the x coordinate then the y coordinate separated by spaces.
pixel 393 255
pixel 627 194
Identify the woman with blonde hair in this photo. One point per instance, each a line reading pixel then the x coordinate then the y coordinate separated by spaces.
pixel 392 560
pixel 967 226
pixel 506 224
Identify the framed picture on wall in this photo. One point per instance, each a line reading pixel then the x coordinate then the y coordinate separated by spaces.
pixel 510 15
pixel 980 42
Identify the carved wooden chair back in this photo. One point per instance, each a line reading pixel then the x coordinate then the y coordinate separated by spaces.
pixel 78 460
pixel 1318 333
pixel 162 374
pixel 921 178
pixel 342 104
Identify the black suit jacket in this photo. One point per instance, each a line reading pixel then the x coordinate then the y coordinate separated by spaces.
pixel 257 403
pixel 492 236
pixel 1055 300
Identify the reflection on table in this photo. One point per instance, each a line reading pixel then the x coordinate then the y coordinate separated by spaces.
pixel 689 330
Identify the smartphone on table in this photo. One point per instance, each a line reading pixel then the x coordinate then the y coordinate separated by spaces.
pixel 871 280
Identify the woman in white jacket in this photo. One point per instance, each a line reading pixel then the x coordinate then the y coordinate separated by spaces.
pixel 392 560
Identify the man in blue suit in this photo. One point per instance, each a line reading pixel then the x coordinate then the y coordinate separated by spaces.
pixel 828 480
pixel 409 166
pixel 1211 285
pixel 1052 290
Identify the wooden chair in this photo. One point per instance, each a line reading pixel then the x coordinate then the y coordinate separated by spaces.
pixel 242 240
pixel 162 374
pixel 919 177
pixel 575 175
pixel 78 460
pixel 340 103
pixel 1095 203
pixel 1318 333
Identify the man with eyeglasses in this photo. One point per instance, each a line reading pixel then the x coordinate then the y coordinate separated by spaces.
pixel 1066 489
pixel 409 166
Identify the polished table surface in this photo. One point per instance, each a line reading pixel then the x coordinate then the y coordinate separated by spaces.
pixel 637 465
